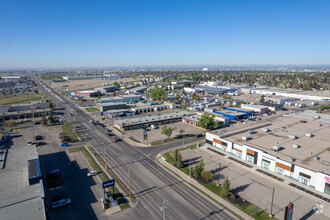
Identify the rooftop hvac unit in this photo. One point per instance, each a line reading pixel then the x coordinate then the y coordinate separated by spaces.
pixel 316 158
pixel 295 146
pixel 292 159
pixel 309 135
pixel 277 148
pixel 319 125
pixel 316 116
pixel 246 138
pixel 292 137
pixel 265 130
pixel 251 132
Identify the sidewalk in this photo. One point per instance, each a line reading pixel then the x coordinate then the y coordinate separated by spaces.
pixel 208 192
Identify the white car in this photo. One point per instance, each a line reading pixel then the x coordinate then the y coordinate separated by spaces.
pixel 61 203
pixel 92 173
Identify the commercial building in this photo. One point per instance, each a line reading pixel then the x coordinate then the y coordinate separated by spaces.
pixel 123 98
pixel 153 108
pixel 294 93
pixel 139 89
pixel 194 120
pixel 106 89
pixel 21 187
pixel 86 93
pixel 11 78
pixel 235 113
pixel 288 146
pixel 24 114
pixel 104 77
pixel 142 122
pixel 273 106
pixel 256 108
pixel 111 106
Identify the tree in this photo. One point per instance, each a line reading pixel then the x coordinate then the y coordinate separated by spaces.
pixel 176 155
pixel 262 98
pixel 11 124
pixel 197 172
pixel 116 84
pixel 178 162
pixel 222 106
pixel 225 191
pixel 181 131
pixel 158 94
pixel 43 120
pixel 207 121
pixel 207 175
pixel 226 96
pixel 167 131
pixel 196 97
pixel 177 96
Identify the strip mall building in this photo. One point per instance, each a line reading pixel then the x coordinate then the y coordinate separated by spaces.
pixel 258 150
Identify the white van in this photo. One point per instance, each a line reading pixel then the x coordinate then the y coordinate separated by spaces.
pixel 154 126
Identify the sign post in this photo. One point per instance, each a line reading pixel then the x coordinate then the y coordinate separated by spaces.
pixel 289 212
pixel 107 184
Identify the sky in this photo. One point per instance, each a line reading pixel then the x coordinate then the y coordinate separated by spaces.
pixel 109 33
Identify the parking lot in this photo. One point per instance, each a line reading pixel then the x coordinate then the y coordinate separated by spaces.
pixel 155 134
pixel 253 187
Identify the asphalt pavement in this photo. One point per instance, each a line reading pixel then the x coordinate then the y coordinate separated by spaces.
pixel 151 184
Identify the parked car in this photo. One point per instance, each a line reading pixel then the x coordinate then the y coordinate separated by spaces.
pixel 154 126
pixel 92 173
pixel 108 130
pixel 61 203
pixel 64 145
pixel 199 135
pixel 115 139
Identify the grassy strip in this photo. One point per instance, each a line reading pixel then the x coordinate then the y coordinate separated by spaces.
pixel 121 131
pixel 92 109
pixel 247 207
pixel 67 130
pixel 123 204
pixel 22 98
pixel 111 173
pixel 168 140
pixel 133 139
pixel 226 208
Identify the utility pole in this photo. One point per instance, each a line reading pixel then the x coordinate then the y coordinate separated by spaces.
pixel 190 166
pixel 129 183
pixel 105 159
pixel 219 174
pixel 271 206
pixel 163 207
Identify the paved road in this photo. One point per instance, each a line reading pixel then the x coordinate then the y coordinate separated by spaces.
pixel 151 184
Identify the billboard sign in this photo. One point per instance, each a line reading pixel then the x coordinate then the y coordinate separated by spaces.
pixel 108 183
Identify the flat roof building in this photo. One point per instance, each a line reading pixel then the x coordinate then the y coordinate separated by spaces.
pixel 19 198
pixel 104 77
pixel 106 89
pixel 142 122
pixel 86 93
pixel 111 106
pixel 272 147
pixel 123 98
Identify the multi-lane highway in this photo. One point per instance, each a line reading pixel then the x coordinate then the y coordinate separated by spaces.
pixel 151 184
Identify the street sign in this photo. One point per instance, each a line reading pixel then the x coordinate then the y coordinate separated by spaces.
pixel 108 183
pixel 288 212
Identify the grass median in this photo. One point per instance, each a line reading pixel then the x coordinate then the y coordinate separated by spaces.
pixel 122 202
pixel 238 202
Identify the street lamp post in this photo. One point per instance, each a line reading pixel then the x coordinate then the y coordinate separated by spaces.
pixel 219 174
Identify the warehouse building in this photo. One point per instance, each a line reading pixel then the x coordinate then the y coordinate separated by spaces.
pixel 86 93
pixel 235 113
pixel 194 120
pixel 104 77
pixel 153 108
pixel 123 98
pixel 139 89
pixel 21 187
pixel 271 147
pixel 111 106
pixel 256 108
pixel 273 106
pixel 24 114
pixel 106 89
pixel 142 122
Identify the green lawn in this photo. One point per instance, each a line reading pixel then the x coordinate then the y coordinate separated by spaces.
pixel 123 204
pixel 248 207
pixel 167 140
pixel 67 130
pixel 133 139
pixel 121 131
pixel 22 98
pixel 92 109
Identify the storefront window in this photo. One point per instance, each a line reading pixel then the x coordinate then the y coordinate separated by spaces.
pixel 327 188
pixel 239 154
pixel 304 180
pixel 279 170
pixel 250 158
pixel 265 164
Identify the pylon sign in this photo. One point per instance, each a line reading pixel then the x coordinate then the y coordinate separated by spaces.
pixel 288 212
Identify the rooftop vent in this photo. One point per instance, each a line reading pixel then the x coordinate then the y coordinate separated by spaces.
pixel 309 135
pixel 292 159
pixel 316 158
pixel 246 138
pixel 265 130
pixel 295 146
pixel 292 136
